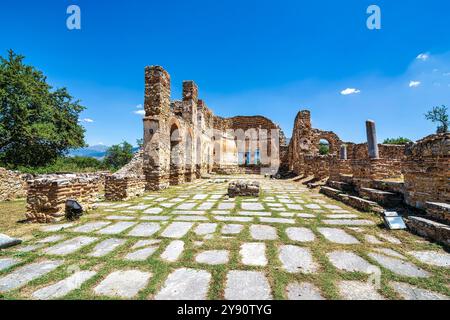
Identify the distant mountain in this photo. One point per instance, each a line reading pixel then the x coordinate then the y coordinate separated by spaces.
pixel 97 151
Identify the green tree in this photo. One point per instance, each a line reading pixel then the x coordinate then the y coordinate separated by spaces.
pixel 118 155
pixel 399 140
pixel 324 148
pixel 37 124
pixel 140 142
pixel 439 115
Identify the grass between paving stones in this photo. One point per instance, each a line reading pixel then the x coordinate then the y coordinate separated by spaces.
pixel 325 279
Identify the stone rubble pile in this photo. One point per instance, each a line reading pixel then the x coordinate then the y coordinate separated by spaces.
pixel 243 188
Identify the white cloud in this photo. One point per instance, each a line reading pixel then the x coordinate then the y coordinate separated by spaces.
pixel 414 84
pixel 139 112
pixel 423 56
pixel 348 91
pixel 139 106
pixel 87 120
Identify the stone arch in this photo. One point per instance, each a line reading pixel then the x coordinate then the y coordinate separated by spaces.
pixel 333 140
pixel 176 175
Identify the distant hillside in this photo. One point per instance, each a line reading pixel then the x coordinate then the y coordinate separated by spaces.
pixel 97 151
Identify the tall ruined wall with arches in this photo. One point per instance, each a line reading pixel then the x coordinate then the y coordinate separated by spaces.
pixel 183 139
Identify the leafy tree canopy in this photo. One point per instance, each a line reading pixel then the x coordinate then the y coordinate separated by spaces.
pixel 119 155
pixel 439 115
pixel 37 124
pixel 399 140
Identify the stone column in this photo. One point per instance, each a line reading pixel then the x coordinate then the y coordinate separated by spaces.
pixel 343 152
pixel 372 140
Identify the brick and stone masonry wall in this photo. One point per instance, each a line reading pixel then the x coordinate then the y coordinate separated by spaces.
pixel 47 195
pixel 128 182
pixel 318 166
pixel 13 185
pixel 427 171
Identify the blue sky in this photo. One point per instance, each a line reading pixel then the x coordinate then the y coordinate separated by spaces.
pixel 271 58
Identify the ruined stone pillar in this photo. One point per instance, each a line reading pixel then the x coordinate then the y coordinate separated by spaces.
pixel 343 152
pixel 372 140
pixel 156 134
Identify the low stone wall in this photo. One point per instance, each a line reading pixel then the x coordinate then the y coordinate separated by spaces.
pixel 377 169
pixel 426 171
pixel 47 195
pixel 119 188
pixel 338 168
pixel 13 185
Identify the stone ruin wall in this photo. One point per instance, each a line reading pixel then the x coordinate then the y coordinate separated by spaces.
pixel 47 195
pixel 128 182
pixel 427 171
pixel 13 185
pixel 178 144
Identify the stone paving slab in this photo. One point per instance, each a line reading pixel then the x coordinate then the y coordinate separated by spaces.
pixel 145 243
pixel 188 212
pixel 253 254
pixel 121 218
pixel 154 218
pixel 236 219
pixel 303 291
pixel 177 229
pixel 106 246
pixel 70 246
pixel 213 257
pixel 63 287
pixel 27 273
pixel 263 232
pixel 232 229
pixel 400 267
pixel 123 284
pixel 252 206
pixel 409 292
pixel 389 252
pixel 56 227
pixel 277 220
pixel 247 285
pixel 348 222
pixel 300 234
pixel 349 261
pixel 153 211
pixel 433 258
pixel 144 229
pixel 173 251
pixel 140 254
pixel 117 227
pixel 205 228
pixel 337 236
pixel 296 259
pixel 185 284
pixel 357 290
pixel 191 218
pixel 254 213
pixel 52 239
pixel 6 263
pixel 90 226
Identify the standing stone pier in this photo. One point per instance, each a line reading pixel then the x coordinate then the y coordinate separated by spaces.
pixel 372 140
pixel 343 152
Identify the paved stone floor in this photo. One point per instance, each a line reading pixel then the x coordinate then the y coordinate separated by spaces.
pixel 192 242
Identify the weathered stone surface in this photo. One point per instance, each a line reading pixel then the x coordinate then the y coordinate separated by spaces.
pixel 173 251
pixel 409 292
pixel 27 273
pixel 144 243
pixel 252 206
pixel 90 226
pixel 6 241
pixel 277 220
pixel 191 218
pixel 399 267
pixel 186 206
pixel 155 210
pixel 123 284
pixel 348 261
pixel 296 259
pixel 254 213
pixel 237 219
pixel 63 287
pixel 356 290
pixel 177 229
pixel 389 252
pixel 144 230
pixel 6 263
pixel 253 254
pixel 303 291
pixel 70 246
pixel 243 188
pixel 106 246
pixel 232 228
pixel 247 285
pixel 205 228
pixel 440 259
pixel 117 227
pixel 349 222
pixel 141 254
pixel 300 234
pixel 185 284
pixel 338 236
pixel 225 206
pixel 56 227
pixel 213 257
pixel 263 232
